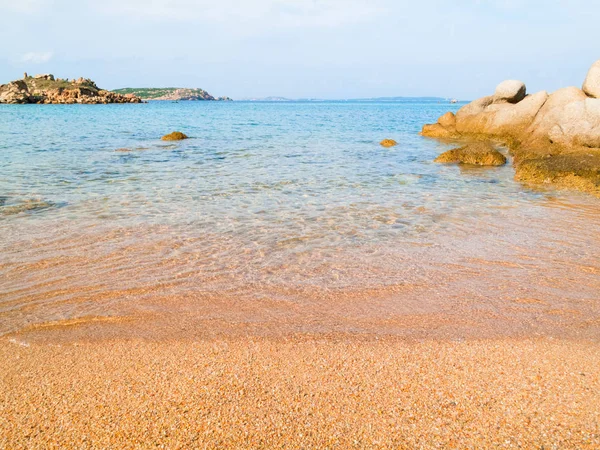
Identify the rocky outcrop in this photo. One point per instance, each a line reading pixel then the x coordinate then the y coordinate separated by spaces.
pixel 477 154
pixel 46 89
pixel 14 92
pixel 555 138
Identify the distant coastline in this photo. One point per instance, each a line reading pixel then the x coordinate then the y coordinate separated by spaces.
pixel 367 99
pixel 46 89
pixel 170 94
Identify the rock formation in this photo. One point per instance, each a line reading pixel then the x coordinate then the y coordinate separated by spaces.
pixel 46 89
pixel 554 138
pixel 477 154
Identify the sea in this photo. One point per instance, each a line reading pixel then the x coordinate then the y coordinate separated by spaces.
pixel 279 217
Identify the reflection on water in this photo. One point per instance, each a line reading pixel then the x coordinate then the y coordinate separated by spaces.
pixel 294 204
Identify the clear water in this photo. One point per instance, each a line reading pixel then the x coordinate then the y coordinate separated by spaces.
pixel 99 217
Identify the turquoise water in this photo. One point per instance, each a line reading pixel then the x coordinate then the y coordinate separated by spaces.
pixel 285 167
pixel 262 197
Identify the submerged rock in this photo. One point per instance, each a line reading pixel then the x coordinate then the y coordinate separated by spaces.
pixel 388 143
pixel 25 206
pixel 174 136
pixel 571 170
pixel 478 154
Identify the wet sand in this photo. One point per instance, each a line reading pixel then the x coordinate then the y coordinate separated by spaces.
pixel 326 391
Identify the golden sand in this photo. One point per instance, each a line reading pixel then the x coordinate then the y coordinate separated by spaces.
pixel 300 392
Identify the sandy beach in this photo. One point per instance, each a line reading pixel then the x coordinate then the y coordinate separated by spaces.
pixel 330 391
pixel 292 224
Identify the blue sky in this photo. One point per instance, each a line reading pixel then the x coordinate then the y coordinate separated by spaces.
pixel 304 48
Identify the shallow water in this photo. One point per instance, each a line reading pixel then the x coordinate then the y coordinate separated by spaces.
pixel 291 212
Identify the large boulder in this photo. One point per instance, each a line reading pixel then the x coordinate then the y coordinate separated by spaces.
pixel 478 154
pixel 484 116
pixel 568 118
pixel 591 85
pixel 507 119
pixel 510 91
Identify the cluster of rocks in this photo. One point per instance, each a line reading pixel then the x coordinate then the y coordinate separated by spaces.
pixel 554 138
pixel 47 89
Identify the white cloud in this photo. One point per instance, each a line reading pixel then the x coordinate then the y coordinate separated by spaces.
pixel 24 6
pixel 37 57
pixel 244 13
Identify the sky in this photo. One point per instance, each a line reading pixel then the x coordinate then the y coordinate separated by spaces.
pixel 304 48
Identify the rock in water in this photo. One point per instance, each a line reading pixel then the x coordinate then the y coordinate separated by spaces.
pixel 591 85
pixel 571 170
pixel 478 154
pixel 174 136
pixel 510 91
pixel 388 143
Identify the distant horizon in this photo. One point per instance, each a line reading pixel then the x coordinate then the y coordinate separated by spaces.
pixel 330 49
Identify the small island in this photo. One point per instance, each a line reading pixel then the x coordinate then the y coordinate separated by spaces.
pixel 171 93
pixel 46 89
